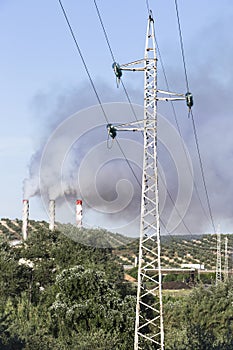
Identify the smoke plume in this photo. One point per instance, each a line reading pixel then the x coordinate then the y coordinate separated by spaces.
pixel 73 141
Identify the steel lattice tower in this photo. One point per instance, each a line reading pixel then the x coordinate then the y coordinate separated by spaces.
pixel 226 273
pixel 219 260
pixel 149 317
pixel 149 332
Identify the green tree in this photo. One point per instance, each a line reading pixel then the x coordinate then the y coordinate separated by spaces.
pixel 86 302
pixel 201 321
pixel 60 294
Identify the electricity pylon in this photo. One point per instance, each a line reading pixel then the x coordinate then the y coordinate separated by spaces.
pixel 149 332
pixel 226 261
pixel 219 260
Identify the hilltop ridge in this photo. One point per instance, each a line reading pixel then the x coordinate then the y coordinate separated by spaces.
pixel 176 251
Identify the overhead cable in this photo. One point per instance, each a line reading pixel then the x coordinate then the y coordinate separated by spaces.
pixel 112 55
pixel 127 95
pixel 179 131
pixel 193 122
pixel 93 85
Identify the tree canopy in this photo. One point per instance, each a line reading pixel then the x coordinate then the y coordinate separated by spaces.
pixel 59 294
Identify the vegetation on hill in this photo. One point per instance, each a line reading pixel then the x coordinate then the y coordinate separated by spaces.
pixel 93 237
pixel 57 293
pixel 179 250
pixel 175 250
pixel 202 320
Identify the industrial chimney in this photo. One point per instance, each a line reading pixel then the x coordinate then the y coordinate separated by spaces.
pixel 79 212
pixel 52 214
pixel 25 219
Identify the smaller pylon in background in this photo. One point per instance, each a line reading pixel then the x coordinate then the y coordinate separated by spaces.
pixel 25 217
pixel 52 214
pixel 226 261
pixel 219 261
pixel 79 212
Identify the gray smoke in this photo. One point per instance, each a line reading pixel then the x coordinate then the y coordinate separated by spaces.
pixel 208 59
pixel 51 109
pixel 67 138
pixel 209 65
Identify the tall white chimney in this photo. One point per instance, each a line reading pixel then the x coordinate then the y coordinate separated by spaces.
pixel 79 209
pixel 25 219
pixel 52 214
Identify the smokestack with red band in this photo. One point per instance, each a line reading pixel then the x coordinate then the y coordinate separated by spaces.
pixel 25 219
pixel 79 212
pixel 52 214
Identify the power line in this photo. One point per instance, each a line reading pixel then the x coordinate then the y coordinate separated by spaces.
pixel 127 95
pixel 92 84
pixel 82 58
pixel 112 55
pixel 105 33
pixel 105 116
pixel 182 45
pixel 173 108
pixel 130 166
pixel 128 98
pixel 193 122
pixel 179 129
pixel 202 169
pixel 148 6
pixel 173 202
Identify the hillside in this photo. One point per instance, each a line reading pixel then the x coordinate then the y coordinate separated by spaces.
pixel 11 229
pixel 59 294
pixel 175 250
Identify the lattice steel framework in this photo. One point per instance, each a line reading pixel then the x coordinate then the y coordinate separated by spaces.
pixel 149 317
pixel 226 269
pixel 149 332
pixel 219 260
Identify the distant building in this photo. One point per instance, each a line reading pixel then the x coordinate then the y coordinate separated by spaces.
pixel 193 266
pixel 128 267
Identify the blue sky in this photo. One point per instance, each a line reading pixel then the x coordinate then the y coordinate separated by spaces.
pixel 39 64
